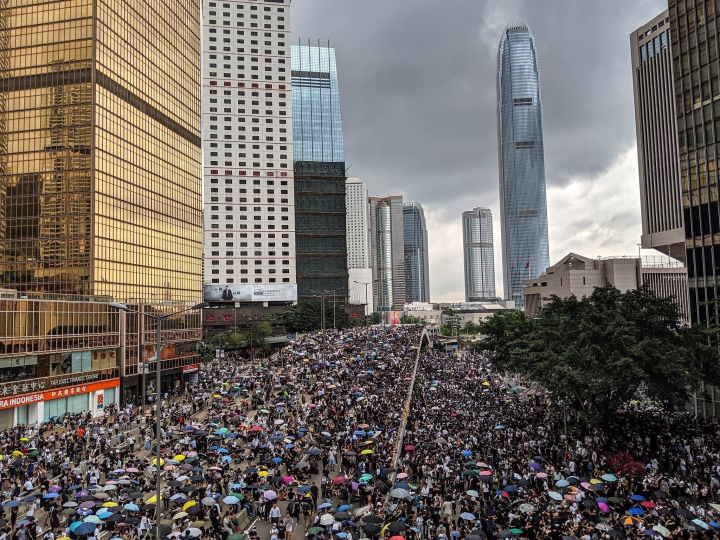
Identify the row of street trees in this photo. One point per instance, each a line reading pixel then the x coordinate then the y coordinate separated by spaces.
pixel 234 341
pixel 604 350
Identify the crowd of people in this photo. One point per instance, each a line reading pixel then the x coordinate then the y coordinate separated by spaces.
pixel 358 433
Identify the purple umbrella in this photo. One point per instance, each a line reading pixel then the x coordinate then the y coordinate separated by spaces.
pixel 86 505
pixel 535 466
pixel 355 485
pixel 55 489
pixel 81 494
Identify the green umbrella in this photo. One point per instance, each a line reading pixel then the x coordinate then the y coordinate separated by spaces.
pixel 264 411
pixel 34 453
pixel 315 530
pixel 238 495
pixel 265 486
pixel 191 459
pixel 236 536
pixel 516 531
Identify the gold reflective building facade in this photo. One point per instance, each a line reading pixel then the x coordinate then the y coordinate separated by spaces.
pixel 100 189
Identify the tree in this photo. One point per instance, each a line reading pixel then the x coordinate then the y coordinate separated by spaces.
pixel 452 322
pixel 305 317
pixel 412 319
pixel 260 333
pixel 605 349
pixel 374 318
pixel 207 353
pixel 471 328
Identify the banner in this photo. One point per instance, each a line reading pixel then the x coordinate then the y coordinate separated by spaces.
pixel 27 399
pixel 251 293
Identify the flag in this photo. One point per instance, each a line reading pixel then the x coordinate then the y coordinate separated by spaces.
pixel 527 265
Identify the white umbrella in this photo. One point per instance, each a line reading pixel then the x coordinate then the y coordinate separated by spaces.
pixel 194 532
pixel 270 495
pixel 399 493
pixel 327 519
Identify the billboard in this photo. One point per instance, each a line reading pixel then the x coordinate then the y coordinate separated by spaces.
pixel 251 293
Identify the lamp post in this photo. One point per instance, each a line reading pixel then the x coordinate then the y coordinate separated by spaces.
pixel 366 293
pixel 158 381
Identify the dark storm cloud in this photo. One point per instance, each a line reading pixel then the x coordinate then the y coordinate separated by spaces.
pixel 417 90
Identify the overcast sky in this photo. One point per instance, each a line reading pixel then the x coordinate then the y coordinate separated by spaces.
pixel 417 92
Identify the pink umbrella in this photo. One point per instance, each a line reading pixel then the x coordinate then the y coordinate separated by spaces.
pixel 312 405
pixel 189 454
pixel 541 475
pixel 485 473
pixel 270 495
pixel 586 485
pixel 604 507
pixel 55 489
pixel 401 475
pixel 570 497
pixel 288 479
pixel 132 469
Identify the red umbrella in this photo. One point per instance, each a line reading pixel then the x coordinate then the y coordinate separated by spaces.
pixel 397 538
pixel 338 480
pixel 648 504
pixel 409 448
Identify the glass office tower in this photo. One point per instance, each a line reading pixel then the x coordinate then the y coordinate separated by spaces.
pixel 523 206
pixel 320 205
pixel 100 149
pixel 417 263
pixel 317 131
pixel 478 254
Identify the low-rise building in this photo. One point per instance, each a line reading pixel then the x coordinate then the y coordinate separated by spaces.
pixel 578 275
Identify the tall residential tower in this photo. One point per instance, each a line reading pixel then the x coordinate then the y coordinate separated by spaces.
pixel 387 252
pixel 358 244
pixel 417 264
pixel 478 254
pixel 523 205
pixel 249 215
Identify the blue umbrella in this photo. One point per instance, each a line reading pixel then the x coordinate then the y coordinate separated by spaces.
pixel 303 489
pixel 638 498
pixel 499 426
pixel 609 477
pixel 22 522
pixel 360 432
pixel 402 485
pixel 132 507
pixel 223 451
pixel 288 446
pixel 11 504
pixel 237 486
pixel 75 525
pixel 636 511
pixel 50 496
pixel 324 505
pixel 277 459
pixel 343 507
pixel 466 453
pixel 510 489
pixel 85 528
pixel 227 459
pixel 562 483
pixel 231 500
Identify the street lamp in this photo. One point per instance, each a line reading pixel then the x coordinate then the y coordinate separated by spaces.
pixel 322 296
pixel 158 381
pixel 367 303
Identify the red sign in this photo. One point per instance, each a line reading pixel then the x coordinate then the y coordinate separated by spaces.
pixel 191 368
pixel 16 401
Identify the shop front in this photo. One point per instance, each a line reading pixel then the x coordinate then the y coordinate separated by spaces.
pixel 41 406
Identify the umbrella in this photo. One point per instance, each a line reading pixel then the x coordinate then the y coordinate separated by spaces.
pixel 270 495
pixel 231 500
pixel 472 493
pixel 662 530
pixel 327 519
pixel 208 501
pixel 373 519
pixel 609 477
pixel 311 531
pixel 467 516
pixel 397 526
pixel 372 528
pixel 85 528
pixel 132 507
pixel 399 493
pixel 179 515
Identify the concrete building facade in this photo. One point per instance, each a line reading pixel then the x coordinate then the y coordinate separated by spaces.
pixel 387 253
pixel 657 139
pixel 579 276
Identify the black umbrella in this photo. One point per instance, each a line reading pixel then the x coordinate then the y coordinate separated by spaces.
pixel 135 495
pixel 116 518
pixel 684 512
pixel 173 483
pixel 197 478
pixel 132 520
pixel 397 526
pixel 195 509
pixel 382 486
pixel 341 516
pixel 162 529
pixel 590 503
pixel 504 534
pixel 661 494
pixel 615 533
pixel 372 528
pixel 188 489
pixel 373 519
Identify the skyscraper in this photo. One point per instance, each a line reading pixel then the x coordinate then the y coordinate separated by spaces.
pixel 417 264
pixel 387 252
pixel 696 74
pixel 358 226
pixel 656 129
pixel 100 199
pixel 478 254
pixel 320 210
pixel 358 244
pixel 100 149
pixel 249 218
pixel 523 205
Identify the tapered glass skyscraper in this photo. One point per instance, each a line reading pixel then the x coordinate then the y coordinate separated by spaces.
pixel 523 205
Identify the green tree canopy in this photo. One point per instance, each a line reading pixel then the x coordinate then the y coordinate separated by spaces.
pixel 412 319
pixel 305 317
pixel 452 323
pixel 604 350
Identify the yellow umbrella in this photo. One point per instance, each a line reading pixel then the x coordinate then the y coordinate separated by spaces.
pixel 218 396
pixel 17 453
pixel 110 504
pixel 366 451
pixel 188 505
pixel 595 481
pixel 162 461
pixel 384 530
pixel 369 442
pixel 151 500
pixel 485 383
pixel 179 457
pixel 24 439
pixel 64 538
pixel 263 473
